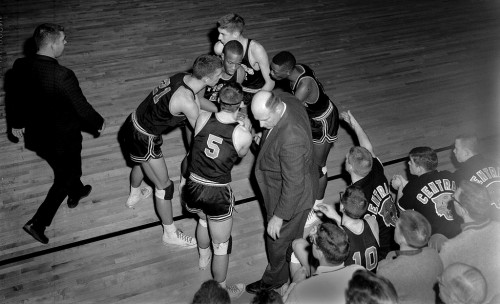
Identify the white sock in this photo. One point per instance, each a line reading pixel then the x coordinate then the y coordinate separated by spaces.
pixel 223 284
pixel 169 229
pixel 205 251
pixel 135 190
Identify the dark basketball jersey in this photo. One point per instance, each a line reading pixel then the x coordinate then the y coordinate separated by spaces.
pixel 483 171
pixel 212 93
pixel 153 114
pixel 213 154
pixel 321 104
pixel 381 205
pixel 363 248
pixel 253 78
pixel 430 195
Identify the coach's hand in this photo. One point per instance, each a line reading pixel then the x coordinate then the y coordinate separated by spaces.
pixel 274 227
pixel 18 133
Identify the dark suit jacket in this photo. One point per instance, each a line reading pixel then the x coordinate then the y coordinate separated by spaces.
pixel 284 168
pixel 48 102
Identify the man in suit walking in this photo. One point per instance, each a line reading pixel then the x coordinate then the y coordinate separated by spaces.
pixel 49 110
pixel 287 179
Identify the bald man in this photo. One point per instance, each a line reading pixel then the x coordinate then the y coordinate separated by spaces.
pixel 287 179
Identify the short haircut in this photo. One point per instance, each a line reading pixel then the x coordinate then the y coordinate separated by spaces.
pixel 366 287
pixel 231 96
pixel 465 282
pixel 272 102
pixel 354 202
pixel 233 46
pixel 211 292
pixel 476 199
pixel 231 23
pixel 206 65
pixel 267 297
pixel 415 228
pixel 424 157
pixel 46 33
pixel 285 59
pixel 469 142
pixel 333 242
pixel 361 160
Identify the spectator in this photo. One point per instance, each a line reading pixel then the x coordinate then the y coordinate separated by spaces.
pixel 413 268
pixel 366 287
pixel 211 292
pixel 462 284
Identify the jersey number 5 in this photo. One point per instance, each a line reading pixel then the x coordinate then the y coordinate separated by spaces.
pixel 213 150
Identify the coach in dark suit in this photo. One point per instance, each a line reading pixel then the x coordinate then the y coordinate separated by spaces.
pixel 49 110
pixel 286 177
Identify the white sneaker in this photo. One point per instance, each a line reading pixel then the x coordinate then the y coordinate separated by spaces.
pixel 312 218
pixel 235 291
pixel 134 198
pixel 204 261
pixel 180 239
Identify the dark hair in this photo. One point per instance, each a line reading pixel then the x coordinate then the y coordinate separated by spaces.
pixel 333 242
pixel 415 228
pixel 231 23
pixel 361 160
pixel 233 46
pixel 424 157
pixel 211 292
pixel 267 297
pixel 47 32
pixel 476 199
pixel 285 59
pixel 231 96
pixel 366 287
pixel 354 202
pixel 205 65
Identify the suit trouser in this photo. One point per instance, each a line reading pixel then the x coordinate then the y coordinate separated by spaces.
pixel 279 251
pixel 67 165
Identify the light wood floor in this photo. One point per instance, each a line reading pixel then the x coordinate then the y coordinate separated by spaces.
pixel 413 73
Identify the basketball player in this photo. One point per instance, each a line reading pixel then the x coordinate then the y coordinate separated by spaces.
pixel 218 143
pixel 255 59
pixel 322 112
pixel 169 105
pixel 232 55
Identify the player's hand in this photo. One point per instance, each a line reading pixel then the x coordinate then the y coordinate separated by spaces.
pixel 274 227
pixel 18 133
pixel 329 211
pixel 348 118
pixel 102 128
pixel 243 120
pixel 398 181
pixel 256 137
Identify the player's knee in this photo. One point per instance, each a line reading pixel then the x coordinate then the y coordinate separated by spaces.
pixel 202 222
pixel 165 194
pixel 223 248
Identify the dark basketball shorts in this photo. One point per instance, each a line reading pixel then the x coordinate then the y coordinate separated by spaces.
pixel 325 127
pixel 140 145
pixel 214 199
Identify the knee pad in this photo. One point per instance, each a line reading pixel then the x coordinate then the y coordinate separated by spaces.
pixel 167 193
pixel 223 248
pixel 322 171
pixel 202 222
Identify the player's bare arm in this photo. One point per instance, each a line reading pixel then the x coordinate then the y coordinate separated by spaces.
pixel 240 75
pixel 258 56
pixel 305 91
pixel 183 102
pixel 360 133
pixel 206 104
pixel 242 139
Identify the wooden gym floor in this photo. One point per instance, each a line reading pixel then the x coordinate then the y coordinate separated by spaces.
pixel 412 72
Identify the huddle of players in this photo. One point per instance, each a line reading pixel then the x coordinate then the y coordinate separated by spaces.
pixel 223 87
